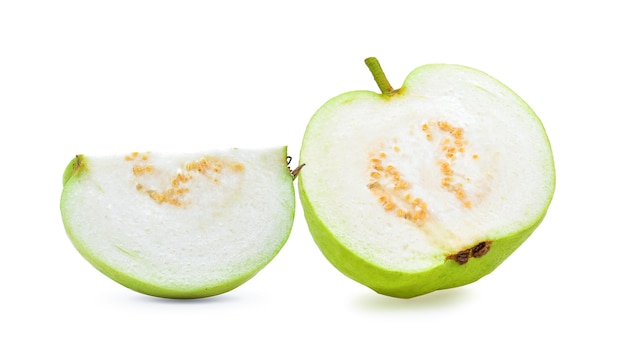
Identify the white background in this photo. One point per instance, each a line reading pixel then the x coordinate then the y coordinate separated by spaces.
pixel 118 76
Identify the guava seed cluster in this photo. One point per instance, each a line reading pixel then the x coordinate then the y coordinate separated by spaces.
pixel 176 188
pixel 394 192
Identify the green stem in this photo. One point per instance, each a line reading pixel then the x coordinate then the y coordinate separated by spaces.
pixel 379 76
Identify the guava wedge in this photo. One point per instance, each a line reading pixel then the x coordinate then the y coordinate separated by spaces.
pixel 426 187
pixel 179 225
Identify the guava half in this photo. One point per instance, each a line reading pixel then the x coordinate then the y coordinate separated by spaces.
pixel 179 225
pixel 430 186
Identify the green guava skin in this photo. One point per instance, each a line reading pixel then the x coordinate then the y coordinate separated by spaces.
pixel 449 274
pixel 77 167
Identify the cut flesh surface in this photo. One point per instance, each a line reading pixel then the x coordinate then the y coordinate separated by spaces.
pixel 451 162
pixel 180 225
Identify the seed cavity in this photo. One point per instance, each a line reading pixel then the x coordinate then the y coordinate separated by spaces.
pixel 453 146
pixel 206 167
pixel 392 189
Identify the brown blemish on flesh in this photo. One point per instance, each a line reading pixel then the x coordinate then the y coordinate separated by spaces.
pixel 481 249
pixel 77 164
pixel 463 256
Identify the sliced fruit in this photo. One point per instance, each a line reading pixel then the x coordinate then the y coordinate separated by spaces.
pixel 426 187
pixel 179 225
